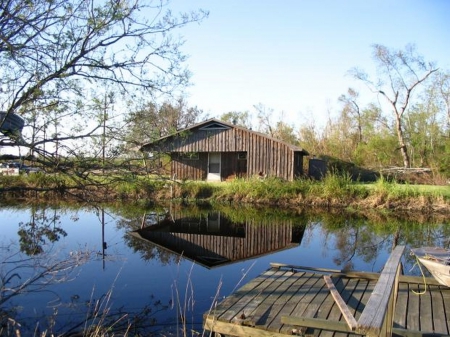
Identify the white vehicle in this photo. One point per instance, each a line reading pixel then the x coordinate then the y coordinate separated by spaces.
pixel 9 169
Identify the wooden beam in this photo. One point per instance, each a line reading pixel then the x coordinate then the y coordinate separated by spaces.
pixel 231 329
pixel 290 266
pixel 358 274
pixel 376 318
pixel 348 316
pixel 316 323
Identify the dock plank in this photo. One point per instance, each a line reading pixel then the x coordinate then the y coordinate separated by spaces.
pixel 445 293
pixel 304 297
pixel 275 301
pixel 426 319
pixel 233 298
pixel 438 311
pixel 248 298
pixel 359 289
pixel 413 313
pixel 377 317
pixel 402 304
pixel 331 310
pixel 262 304
pixel 284 305
pixel 282 302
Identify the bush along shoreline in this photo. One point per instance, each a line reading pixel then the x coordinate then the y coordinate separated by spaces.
pixel 333 191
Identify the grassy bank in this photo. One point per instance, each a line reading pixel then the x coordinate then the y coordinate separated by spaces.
pixel 332 191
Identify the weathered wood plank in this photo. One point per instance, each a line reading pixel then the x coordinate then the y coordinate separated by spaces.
pixel 425 314
pixel 348 316
pixel 413 333
pixel 438 310
pixel 445 293
pixel 231 300
pixel 304 297
pixel 251 298
pixel 230 329
pixel 413 316
pixel 373 319
pixel 264 315
pixel 361 295
pixel 285 304
pixel 346 287
pixel 316 323
pixel 354 294
pixel 357 274
pixel 313 309
pixel 330 310
pixel 401 306
pixel 261 303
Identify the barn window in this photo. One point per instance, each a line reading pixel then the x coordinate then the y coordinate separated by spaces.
pixel 190 156
pixel 215 126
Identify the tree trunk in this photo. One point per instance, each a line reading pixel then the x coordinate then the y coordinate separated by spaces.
pixel 401 142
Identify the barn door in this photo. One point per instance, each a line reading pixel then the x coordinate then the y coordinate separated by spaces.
pixel 214 166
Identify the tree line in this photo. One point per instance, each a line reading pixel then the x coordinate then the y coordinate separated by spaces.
pixel 407 123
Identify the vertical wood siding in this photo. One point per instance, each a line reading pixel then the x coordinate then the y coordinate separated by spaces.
pixel 264 155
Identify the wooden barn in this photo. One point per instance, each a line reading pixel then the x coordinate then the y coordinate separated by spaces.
pixel 216 150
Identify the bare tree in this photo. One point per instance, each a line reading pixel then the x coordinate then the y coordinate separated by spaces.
pixel 400 73
pixel 265 118
pixel 352 110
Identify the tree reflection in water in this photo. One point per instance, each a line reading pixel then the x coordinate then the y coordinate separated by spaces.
pixel 42 226
pixel 34 266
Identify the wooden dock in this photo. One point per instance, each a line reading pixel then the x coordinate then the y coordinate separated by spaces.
pixel 289 300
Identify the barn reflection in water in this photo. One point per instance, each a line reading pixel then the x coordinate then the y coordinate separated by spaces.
pixel 212 239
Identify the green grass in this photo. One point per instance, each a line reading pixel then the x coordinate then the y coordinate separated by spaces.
pixel 334 188
pixel 407 190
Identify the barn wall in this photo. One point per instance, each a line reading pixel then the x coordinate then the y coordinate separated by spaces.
pixel 192 169
pixel 265 156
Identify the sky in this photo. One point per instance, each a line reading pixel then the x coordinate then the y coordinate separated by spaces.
pixel 293 56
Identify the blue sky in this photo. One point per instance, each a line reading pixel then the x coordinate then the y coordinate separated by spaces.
pixel 293 55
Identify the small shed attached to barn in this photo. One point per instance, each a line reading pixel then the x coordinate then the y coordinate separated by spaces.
pixel 216 150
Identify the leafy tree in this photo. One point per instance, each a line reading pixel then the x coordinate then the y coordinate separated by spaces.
pixel 153 121
pixel 422 127
pixel 53 52
pixel 444 143
pixel 241 118
pixel 401 72
pixel 444 90
pixel 376 149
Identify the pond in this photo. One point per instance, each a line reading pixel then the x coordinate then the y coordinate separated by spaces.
pixel 157 270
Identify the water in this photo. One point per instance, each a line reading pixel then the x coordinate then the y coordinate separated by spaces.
pixel 163 268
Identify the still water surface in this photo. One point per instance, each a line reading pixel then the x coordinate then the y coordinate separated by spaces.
pixel 164 266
